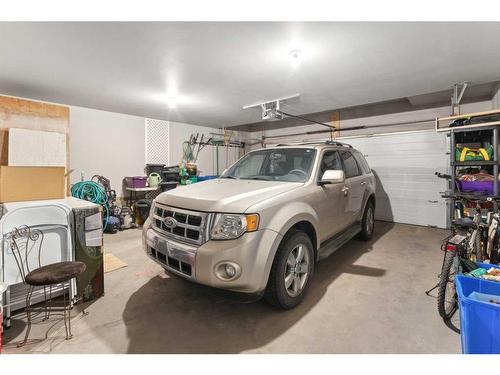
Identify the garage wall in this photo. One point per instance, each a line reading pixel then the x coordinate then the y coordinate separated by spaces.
pixel 113 144
pixel 118 154
pixel 207 158
pixel 495 102
pixel 405 121
pixel 106 143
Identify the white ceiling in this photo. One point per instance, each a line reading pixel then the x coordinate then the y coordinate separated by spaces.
pixel 217 68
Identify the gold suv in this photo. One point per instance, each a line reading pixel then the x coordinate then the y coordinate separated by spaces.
pixel 261 226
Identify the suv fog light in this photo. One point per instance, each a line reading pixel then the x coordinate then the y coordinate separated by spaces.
pixel 230 270
pixel 227 271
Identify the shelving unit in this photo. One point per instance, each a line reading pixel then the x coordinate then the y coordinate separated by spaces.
pixel 480 130
pixel 489 164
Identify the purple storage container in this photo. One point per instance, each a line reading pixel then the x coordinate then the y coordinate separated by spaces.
pixel 485 187
pixel 136 181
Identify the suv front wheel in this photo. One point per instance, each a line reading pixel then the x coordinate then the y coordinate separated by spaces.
pixel 291 272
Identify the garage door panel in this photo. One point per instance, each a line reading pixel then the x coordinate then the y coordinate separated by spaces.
pixel 404 164
pixel 406 150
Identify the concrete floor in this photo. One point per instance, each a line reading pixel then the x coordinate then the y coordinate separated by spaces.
pixel 365 298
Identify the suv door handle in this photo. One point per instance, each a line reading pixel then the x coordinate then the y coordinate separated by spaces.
pixel 345 190
pixel 363 183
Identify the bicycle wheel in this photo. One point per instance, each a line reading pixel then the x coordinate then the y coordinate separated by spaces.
pixel 478 252
pixel 447 294
pixel 495 256
pixel 495 252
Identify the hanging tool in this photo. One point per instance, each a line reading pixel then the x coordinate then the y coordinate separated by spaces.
pixel 202 145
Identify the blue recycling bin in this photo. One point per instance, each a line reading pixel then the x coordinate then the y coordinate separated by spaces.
pixel 206 178
pixel 479 320
pixel 486 266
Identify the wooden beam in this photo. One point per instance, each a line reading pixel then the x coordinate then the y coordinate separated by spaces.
pixel 336 124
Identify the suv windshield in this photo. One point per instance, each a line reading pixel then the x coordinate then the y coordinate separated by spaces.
pixel 283 164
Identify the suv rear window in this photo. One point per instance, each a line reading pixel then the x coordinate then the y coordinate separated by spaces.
pixel 351 168
pixel 363 164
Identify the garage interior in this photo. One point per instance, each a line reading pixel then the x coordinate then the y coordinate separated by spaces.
pixel 99 121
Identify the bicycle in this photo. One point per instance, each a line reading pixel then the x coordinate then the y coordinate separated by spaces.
pixel 465 242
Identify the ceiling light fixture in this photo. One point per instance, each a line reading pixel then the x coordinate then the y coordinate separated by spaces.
pixel 172 102
pixel 295 57
pixel 172 99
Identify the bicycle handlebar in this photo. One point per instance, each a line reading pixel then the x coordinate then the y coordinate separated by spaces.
pixel 443 175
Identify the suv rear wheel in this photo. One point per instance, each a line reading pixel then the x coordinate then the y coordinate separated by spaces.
pixel 292 270
pixel 368 222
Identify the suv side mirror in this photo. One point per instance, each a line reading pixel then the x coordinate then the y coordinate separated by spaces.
pixel 333 176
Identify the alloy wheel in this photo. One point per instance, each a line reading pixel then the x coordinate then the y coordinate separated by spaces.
pixel 297 270
pixel 370 220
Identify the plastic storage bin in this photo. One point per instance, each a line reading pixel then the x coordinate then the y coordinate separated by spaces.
pixel 206 178
pixel 143 206
pixel 153 168
pixel 136 181
pixel 485 187
pixel 487 266
pixel 165 186
pixel 167 173
pixel 479 321
pixel 3 288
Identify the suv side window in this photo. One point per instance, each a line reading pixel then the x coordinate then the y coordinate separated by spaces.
pixel 363 164
pixel 351 168
pixel 330 160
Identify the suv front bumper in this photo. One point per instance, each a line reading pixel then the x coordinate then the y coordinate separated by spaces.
pixel 253 253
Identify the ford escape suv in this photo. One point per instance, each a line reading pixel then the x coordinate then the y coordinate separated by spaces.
pixel 261 226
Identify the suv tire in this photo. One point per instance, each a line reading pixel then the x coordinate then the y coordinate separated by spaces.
pixel 368 222
pixel 291 272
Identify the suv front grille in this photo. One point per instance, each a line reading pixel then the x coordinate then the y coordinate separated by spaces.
pixel 189 226
pixel 178 265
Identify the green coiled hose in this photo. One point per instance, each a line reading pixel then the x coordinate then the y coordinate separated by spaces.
pixel 93 192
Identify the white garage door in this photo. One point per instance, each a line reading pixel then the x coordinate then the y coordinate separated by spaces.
pixel 404 164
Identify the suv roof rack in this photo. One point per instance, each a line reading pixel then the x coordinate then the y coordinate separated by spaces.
pixel 333 143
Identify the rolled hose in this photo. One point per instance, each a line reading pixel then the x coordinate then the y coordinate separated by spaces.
pixel 93 192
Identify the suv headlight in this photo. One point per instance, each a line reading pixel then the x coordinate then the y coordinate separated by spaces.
pixel 231 226
pixel 152 209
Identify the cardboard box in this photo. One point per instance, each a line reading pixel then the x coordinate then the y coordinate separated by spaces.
pixel 31 183
pixel 4 146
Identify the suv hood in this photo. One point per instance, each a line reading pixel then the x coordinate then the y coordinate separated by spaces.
pixel 224 195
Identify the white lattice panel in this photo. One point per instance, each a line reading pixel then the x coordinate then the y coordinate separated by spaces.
pixel 156 141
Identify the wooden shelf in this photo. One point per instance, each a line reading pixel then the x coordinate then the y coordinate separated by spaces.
pixel 467 115
pixel 466 127
pixel 447 128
